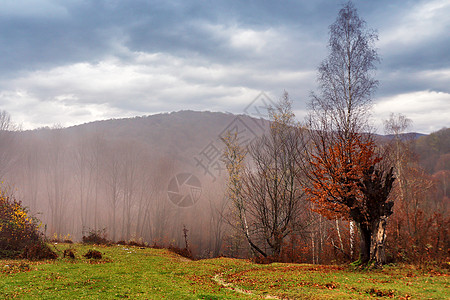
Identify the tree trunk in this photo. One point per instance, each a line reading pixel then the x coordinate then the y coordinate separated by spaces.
pixel 365 240
pixel 377 251
pixel 277 247
pixel 339 236
pixel 372 245
pixel 352 240
pixel 247 235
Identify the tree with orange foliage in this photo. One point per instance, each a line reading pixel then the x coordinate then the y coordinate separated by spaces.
pixel 348 179
pixel 347 176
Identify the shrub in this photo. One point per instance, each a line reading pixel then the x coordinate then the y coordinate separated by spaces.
pixel 185 252
pixel 37 251
pixel 69 253
pixel 19 232
pixel 93 254
pixel 61 239
pixel 96 237
pixel 138 243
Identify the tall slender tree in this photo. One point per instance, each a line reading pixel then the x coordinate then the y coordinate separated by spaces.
pixel 347 174
pixel 234 158
pixel 7 156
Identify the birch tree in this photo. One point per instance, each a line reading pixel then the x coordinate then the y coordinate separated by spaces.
pixel 348 176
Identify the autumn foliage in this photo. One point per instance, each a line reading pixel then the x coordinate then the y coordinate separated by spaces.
pixel 336 173
pixel 19 232
pixel 419 227
pixel 348 180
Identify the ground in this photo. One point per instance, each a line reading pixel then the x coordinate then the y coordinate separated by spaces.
pixel 135 273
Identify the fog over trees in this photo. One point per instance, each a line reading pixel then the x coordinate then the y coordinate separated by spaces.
pixel 248 187
pixel 115 174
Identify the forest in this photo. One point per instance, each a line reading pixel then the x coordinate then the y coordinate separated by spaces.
pixel 97 177
pixel 325 190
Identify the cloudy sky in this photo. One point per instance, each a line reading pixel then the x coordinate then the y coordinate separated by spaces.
pixel 69 62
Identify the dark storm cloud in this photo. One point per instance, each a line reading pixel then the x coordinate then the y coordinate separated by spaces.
pixel 88 30
pixel 119 58
pixel 30 42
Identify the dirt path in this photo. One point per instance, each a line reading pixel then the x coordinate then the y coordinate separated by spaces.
pixel 218 279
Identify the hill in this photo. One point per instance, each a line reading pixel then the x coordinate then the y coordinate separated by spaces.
pixel 115 174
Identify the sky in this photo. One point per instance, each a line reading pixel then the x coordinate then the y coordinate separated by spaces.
pixel 69 62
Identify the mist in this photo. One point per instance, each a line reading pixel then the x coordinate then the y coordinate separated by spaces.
pixel 126 177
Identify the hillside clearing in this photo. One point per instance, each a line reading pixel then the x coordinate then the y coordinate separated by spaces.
pixel 136 273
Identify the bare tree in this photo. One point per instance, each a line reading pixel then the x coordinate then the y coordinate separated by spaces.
pixel 56 180
pixel 85 176
pixel 218 204
pixel 347 176
pixel 7 157
pixel 6 123
pixel 269 199
pixel 146 194
pixel 131 160
pixel 31 166
pixel 412 184
pixel 159 212
pixel 397 125
pixel 97 147
pixel 112 179
pixel 234 158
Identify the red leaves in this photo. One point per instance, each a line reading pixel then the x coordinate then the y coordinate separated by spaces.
pixel 337 170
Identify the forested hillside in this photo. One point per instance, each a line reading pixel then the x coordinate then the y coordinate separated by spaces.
pixel 115 175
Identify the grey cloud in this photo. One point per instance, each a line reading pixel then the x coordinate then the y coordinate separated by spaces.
pixel 209 54
pixel 89 28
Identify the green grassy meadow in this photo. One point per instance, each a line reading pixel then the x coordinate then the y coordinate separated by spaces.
pixel 135 273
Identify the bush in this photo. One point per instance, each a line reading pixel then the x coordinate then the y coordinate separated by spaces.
pixel 133 243
pixel 19 232
pixel 38 251
pixel 96 237
pixel 61 239
pixel 185 252
pixel 93 254
pixel 70 253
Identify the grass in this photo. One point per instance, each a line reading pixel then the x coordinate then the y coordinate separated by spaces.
pixel 131 272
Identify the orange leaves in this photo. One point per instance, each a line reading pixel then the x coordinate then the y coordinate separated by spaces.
pixel 337 170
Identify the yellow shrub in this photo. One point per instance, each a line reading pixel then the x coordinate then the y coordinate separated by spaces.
pixel 17 228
